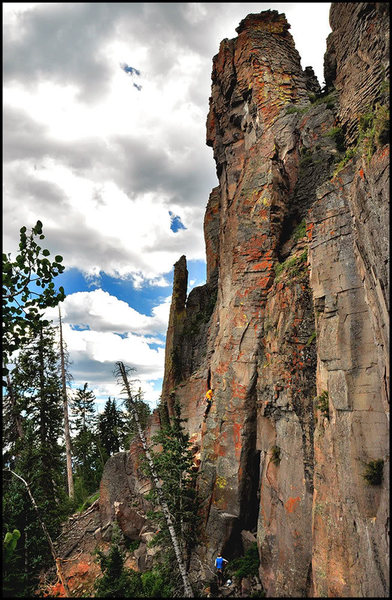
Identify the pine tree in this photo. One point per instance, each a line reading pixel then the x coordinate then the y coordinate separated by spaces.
pixel 67 433
pixel 88 464
pixel 37 379
pixel 174 465
pixel 117 581
pixel 110 426
pixel 39 457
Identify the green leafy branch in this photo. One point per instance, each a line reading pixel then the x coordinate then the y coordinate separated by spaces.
pixel 22 305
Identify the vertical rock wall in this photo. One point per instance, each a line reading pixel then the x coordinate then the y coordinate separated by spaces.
pixel 295 306
pixel 349 257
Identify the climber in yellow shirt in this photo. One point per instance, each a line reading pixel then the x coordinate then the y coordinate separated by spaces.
pixel 208 400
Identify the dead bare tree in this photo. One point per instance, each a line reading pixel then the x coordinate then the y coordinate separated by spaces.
pixel 121 372
pixel 65 410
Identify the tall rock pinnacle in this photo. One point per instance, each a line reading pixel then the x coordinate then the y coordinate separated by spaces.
pixel 291 327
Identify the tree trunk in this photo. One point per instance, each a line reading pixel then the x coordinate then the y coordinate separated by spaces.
pixel 66 419
pixel 15 411
pixel 162 501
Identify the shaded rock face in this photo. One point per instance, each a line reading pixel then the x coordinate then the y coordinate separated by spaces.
pixel 121 501
pixel 350 545
pixel 121 493
pixel 295 308
pixel 357 58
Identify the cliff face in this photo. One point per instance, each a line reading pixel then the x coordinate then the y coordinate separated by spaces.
pixel 291 328
pixel 295 308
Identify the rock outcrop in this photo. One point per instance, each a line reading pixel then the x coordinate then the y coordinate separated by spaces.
pixel 291 328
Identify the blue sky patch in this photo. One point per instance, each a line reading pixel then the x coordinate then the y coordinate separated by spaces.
pixel 142 299
pixel 176 222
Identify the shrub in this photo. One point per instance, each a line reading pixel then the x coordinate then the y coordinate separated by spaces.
pixel 381 125
pixel 300 231
pixel 247 565
pixel 322 403
pixel 155 585
pixel 373 473
pixel 132 545
pixel 373 132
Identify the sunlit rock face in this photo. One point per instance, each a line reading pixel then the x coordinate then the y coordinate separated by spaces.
pixel 295 308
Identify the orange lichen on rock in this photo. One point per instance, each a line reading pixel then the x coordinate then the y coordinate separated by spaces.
pixel 291 504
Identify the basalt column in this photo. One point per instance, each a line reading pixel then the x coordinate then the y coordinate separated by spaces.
pixel 255 78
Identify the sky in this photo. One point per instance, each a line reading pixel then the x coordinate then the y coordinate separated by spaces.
pixel 104 112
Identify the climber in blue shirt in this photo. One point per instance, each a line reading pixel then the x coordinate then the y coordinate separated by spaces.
pixel 219 564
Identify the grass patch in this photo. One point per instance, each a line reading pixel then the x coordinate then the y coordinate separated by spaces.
pixel 336 133
pixel 373 474
pixel 350 153
pixel 315 99
pixel 373 133
pixel 296 109
pixel 328 99
pixel 300 231
pixel 293 266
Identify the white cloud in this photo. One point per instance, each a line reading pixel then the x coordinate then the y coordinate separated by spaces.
pixel 112 331
pixel 102 312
